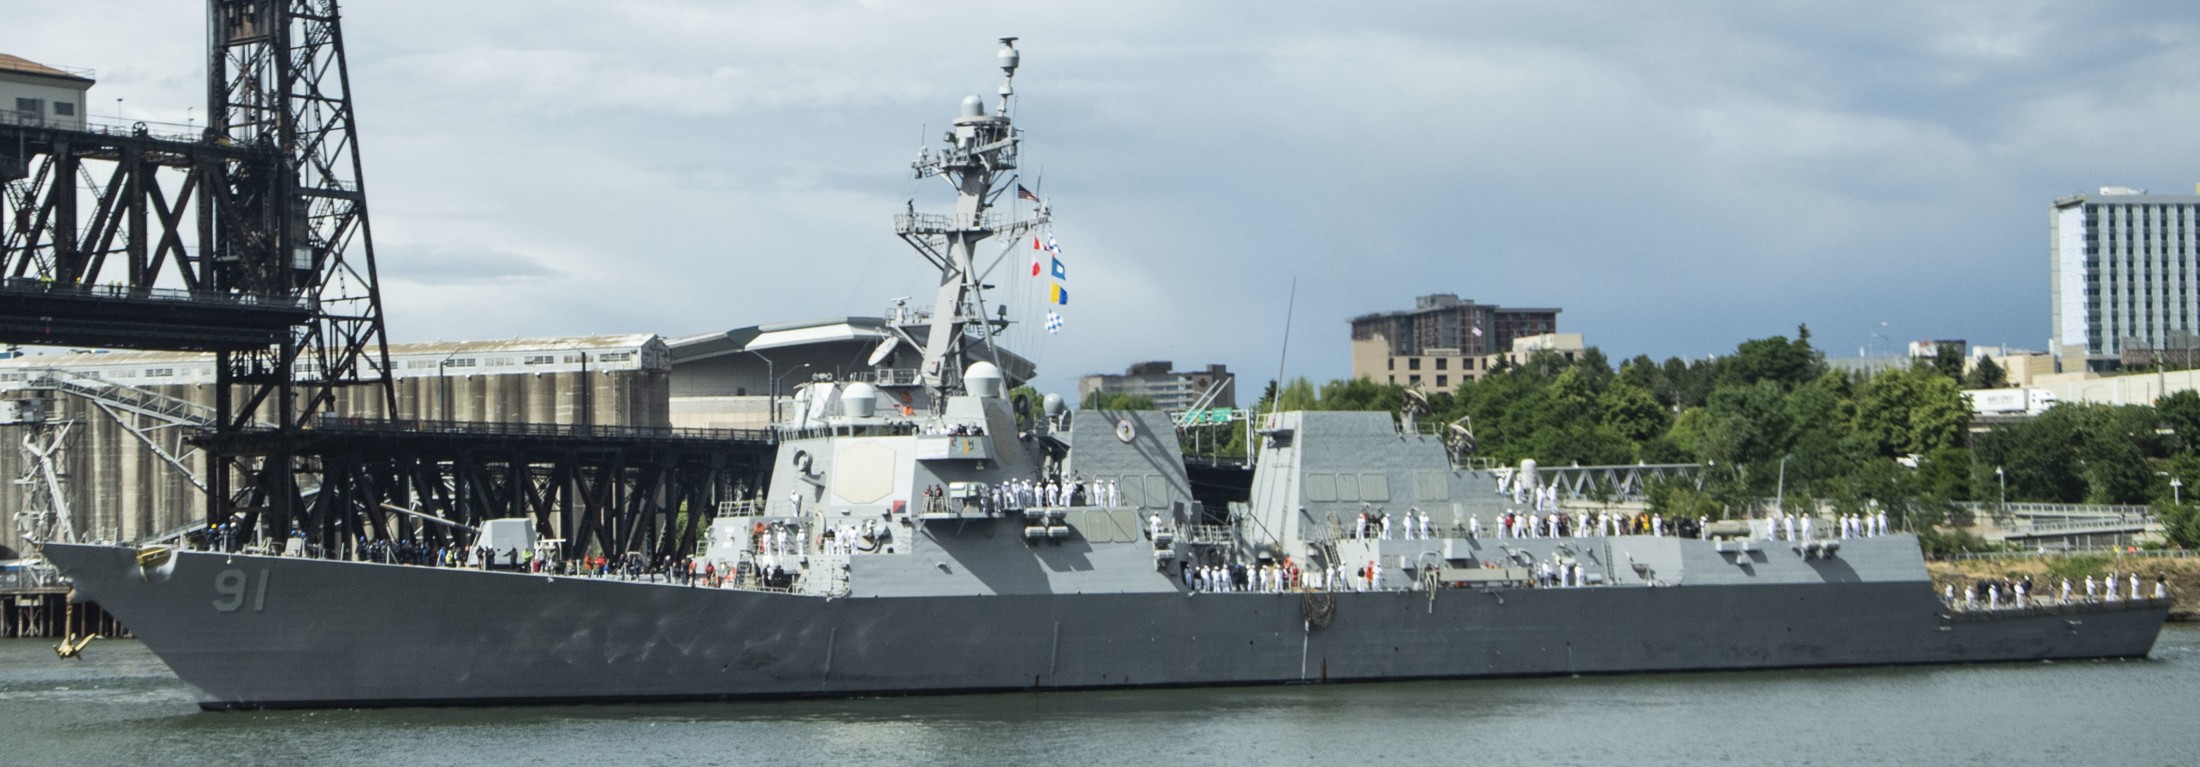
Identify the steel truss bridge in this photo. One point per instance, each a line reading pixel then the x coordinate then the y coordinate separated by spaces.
pixel 251 240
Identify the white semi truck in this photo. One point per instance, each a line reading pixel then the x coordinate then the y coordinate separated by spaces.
pixel 2009 401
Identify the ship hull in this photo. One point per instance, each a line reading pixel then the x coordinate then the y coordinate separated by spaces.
pixel 272 632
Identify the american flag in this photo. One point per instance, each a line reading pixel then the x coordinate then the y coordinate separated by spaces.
pixel 1025 194
pixel 1054 322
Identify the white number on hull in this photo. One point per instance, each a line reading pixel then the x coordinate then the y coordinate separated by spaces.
pixel 232 584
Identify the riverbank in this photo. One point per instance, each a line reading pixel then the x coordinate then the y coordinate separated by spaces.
pixel 2047 573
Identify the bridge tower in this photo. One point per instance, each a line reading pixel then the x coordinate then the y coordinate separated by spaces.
pixel 249 240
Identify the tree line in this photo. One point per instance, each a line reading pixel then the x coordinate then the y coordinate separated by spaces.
pixel 1774 418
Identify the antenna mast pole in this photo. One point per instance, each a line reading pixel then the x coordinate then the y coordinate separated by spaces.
pixel 980 152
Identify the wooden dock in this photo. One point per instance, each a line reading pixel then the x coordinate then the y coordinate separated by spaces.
pixel 45 612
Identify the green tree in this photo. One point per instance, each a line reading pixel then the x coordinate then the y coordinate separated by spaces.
pixel 1911 413
pixel 1773 359
pixel 1892 487
pixel 1986 375
pixel 2038 458
pixel 2079 451
pixel 1361 394
pixel 1586 444
pixel 1823 413
pixel 2180 412
pixel 1947 360
pixel 1570 400
pixel 2180 523
pixel 1595 369
pixel 1644 373
pixel 2114 445
pixel 1680 499
pixel 1106 400
pixel 1686 433
pixel 1629 409
pixel 1744 424
pixel 1941 417
pixel 1298 395
pixel 1945 475
pixel 1031 401
pixel 1684 384
pixel 1544 365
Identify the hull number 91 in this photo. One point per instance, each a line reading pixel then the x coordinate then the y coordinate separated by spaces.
pixel 232 586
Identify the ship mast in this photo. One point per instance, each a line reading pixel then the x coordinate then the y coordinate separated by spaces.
pixel 978 160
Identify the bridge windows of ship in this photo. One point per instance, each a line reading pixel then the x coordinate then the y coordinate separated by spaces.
pixel 1326 486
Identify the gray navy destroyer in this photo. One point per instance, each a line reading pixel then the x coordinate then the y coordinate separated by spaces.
pixel 928 533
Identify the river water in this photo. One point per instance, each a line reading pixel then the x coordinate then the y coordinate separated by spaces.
pixel 120 706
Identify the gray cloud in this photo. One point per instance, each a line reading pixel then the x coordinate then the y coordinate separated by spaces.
pixel 1678 178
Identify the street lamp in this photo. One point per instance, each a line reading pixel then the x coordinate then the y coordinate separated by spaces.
pixel 2003 478
pixel 443 386
pixel 2177 491
pixel 774 417
pixel 775 387
pixel 1781 502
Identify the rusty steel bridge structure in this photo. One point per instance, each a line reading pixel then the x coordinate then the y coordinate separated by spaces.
pixel 251 240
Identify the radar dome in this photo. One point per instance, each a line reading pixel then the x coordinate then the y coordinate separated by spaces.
pixel 1053 404
pixel 973 106
pixel 983 380
pixel 859 400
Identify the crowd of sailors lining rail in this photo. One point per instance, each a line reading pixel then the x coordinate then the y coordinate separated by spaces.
pixel 1273 578
pixel 1376 523
pixel 1544 519
pixel 2018 593
pixel 790 538
pixel 775 538
pixel 1016 495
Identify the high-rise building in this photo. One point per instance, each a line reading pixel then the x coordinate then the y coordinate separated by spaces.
pixel 2126 268
pixel 1170 390
pixel 1442 341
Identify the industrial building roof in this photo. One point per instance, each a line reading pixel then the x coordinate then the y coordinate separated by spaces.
pixel 778 335
pixel 568 343
pixel 792 334
pixel 20 65
pixel 563 343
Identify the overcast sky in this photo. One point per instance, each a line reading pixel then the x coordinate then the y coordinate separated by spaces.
pixel 1678 177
